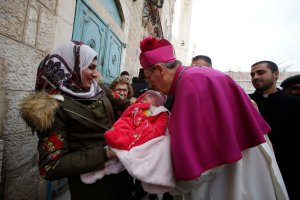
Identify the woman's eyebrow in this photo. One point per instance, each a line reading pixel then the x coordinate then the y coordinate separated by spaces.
pixel 92 65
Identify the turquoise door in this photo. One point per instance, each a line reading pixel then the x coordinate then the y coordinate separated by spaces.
pixel 89 28
pixel 112 59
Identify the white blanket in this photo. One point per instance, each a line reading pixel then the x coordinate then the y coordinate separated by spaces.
pixel 151 163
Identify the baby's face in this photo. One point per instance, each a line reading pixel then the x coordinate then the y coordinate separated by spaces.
pixel 148 98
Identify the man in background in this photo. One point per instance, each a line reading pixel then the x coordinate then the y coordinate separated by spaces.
pixel 282 114
pixel 140 85
pixel 201 61
pixel 126 75
pixel 291 86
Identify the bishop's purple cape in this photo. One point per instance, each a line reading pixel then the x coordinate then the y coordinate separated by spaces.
pixel 212 121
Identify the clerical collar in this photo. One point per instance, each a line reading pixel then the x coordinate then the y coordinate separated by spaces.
pixel 265 96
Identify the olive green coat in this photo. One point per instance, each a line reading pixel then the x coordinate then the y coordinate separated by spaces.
pixel 71 142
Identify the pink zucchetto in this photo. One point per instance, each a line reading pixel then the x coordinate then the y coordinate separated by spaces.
pixel 154 50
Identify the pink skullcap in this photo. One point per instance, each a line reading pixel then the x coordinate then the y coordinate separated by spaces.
pixel 160 98
pixel 154 51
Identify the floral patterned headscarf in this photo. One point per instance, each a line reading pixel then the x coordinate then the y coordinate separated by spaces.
pixel 61 71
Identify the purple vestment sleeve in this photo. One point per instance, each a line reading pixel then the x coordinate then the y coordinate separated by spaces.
pixel 212 122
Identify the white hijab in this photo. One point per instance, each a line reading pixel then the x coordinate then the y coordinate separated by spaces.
pixel 86 57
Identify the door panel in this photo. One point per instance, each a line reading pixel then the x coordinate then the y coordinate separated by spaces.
pixel 112 59
pixel 89 28
pixel 94 35
pixel 113 10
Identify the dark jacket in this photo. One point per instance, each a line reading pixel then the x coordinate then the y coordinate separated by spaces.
pixel 71 142
pixel 282 114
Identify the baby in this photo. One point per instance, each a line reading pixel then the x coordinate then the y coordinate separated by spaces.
pixel 142 121
pixel 141 142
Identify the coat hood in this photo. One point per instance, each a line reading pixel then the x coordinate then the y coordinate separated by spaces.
pixel 38 111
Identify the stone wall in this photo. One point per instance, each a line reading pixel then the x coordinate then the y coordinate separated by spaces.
pixel 26 35
pixel 135 33
pixel 135 30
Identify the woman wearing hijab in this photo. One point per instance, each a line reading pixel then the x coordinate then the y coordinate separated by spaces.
pixel 70 112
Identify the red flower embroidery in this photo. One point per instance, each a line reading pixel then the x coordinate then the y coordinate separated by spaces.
pixel 55 155
pixel 56 140
pixel 53 143
pixel 42 171
pixel 148 44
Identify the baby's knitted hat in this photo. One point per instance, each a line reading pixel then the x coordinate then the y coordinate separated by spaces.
pixel 160 98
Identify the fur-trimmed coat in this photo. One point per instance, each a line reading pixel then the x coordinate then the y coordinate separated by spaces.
pixel 71 141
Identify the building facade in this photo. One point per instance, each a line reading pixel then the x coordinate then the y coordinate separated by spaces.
pixel 181 30
pixel 29 30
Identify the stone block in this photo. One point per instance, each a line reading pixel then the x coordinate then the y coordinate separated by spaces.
pixel 66 10
pixel 12 18
pixel 1 156
pixel 2 96
pixel 46 29
pixel 50 4
pixel 19 149
pixel 3 109
pixel 31 24
pixel 22 184
pixel 13 123
pixel 1 69
pixel 20 64
pixel 63 32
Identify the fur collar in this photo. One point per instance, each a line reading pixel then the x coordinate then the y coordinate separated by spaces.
pixel 38 110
